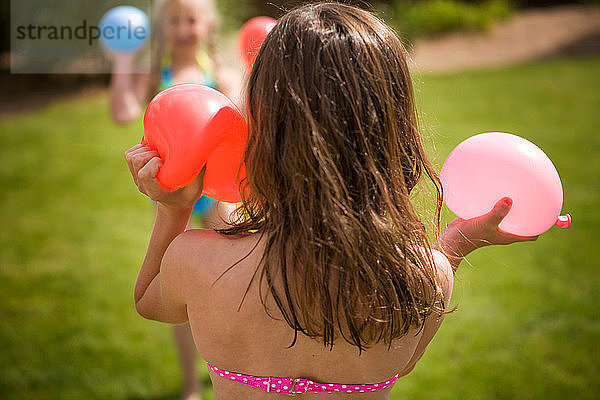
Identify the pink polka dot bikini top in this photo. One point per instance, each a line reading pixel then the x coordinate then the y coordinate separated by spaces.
pixel 299 385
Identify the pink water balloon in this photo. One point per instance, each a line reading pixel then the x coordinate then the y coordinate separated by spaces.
pixel 487 167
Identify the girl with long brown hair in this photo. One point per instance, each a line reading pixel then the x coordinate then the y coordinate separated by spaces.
pixel 329 283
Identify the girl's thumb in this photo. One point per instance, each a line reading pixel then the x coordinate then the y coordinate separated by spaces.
pixel 501 208
pixel 150 170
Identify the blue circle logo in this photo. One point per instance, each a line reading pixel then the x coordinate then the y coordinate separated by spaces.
pixel 124 29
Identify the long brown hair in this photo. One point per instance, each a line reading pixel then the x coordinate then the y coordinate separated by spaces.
pixel 333 154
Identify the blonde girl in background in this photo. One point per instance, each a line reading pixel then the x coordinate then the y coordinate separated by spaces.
pixel 184 51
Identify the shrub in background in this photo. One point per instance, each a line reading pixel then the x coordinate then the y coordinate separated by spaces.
pixel 415 19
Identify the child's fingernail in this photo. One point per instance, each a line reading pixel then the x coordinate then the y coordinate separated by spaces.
pixel 507 202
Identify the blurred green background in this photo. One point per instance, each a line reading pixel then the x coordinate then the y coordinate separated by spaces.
pixel 75 230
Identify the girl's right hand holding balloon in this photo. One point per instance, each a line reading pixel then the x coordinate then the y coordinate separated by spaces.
pixel 460 237
pixel 144 163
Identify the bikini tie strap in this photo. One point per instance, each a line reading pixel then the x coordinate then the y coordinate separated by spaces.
pixel 293 386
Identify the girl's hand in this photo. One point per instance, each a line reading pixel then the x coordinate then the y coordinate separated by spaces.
pixel 144 164
pixel 122 63
pixel 461 236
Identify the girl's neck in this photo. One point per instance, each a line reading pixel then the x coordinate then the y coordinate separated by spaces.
pixel 183 58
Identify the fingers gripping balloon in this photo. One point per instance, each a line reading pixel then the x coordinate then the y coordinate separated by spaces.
pixel 486 167
pixel 191 126
pixel 252 35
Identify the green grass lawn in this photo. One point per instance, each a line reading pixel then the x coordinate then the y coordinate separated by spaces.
pixel 74 230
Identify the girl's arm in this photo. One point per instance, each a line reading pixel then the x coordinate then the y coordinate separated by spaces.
pixel 229 83
pixel 151 301
pixel 157 290
pixel 128 91
pixel 445 277
pixel 461 237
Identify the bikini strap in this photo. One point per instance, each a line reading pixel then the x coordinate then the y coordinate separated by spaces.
pixel 294 386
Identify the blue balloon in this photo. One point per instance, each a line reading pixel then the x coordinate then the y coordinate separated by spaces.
pixel 124 29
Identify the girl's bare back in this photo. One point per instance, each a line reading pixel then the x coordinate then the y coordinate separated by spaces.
pixel 250 342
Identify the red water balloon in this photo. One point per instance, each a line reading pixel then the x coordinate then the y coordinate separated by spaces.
pixel 252 35
pixel 192 125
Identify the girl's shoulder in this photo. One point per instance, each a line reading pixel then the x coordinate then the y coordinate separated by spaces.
pixel 209 243
pixel 205 252
pixel 443 271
